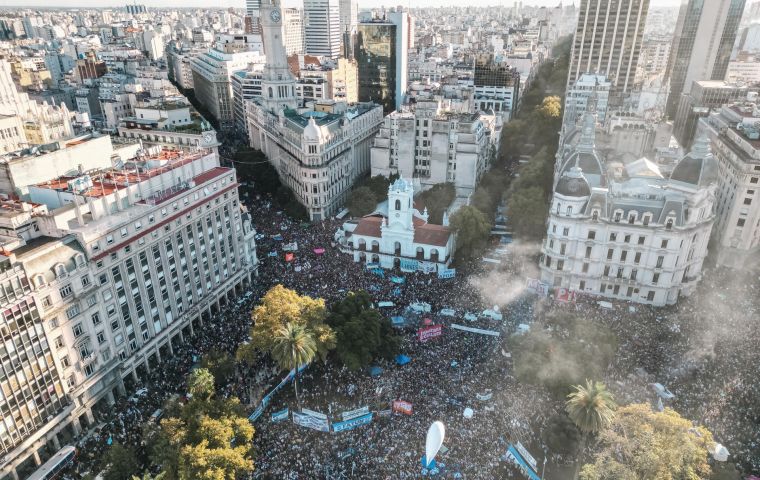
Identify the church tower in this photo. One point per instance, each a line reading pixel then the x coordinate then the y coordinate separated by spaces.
pixel 401 205
pixel 278 86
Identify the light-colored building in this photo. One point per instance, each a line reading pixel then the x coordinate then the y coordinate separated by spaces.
pixel 635 236
pixel 293 36
pixel 608 41
pixel 246 85
pixel 432 146
pixel 497 86
pixel 169 124
pixel 398 235
pixel 318 153
pixel 702 45
pixel 746 71
pixel 114 268
pixel 736 144
pixel 349 16
pixel 322 27
pixel 588 90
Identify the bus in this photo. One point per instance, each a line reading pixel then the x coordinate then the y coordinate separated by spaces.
pixel 57 463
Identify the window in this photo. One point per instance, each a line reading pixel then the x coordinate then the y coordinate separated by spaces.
pixel 646 219
pixel 655 278
pixel 569 211
pixel 591 235
pixel 595 215
pixel 634 273
pixel 632 219
pixel 585 268
pixel 398 204
pixel 669 224
pixel 78 330
pixel 623 255
pixel 740 223
pixel 65 361
pixel 562 248
pixel 637 257
pixel 642 240
pixel 588 252
pixel 89 369
pixel 618 216
pixel 59 341
pixel 565 231
pixel 627 239
pixel 101 338
pixel 65 291
pixel 92 300
pixel 650 296
pixel 103 279
pixel 47 301
pixel 95 319
pixel 753 180
pixel 85 280
pixel 582 285
pixel 609 254
pixel 109 239
pixel 613 237
pixel 124 232
pixel 664 244
pixel 747 201
pixel 606 270
pixel 660 261
pixel 560 265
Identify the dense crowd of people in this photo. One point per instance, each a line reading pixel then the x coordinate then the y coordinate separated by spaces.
pixel 704 355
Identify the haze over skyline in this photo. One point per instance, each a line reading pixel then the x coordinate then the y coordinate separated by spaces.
pixel 241 3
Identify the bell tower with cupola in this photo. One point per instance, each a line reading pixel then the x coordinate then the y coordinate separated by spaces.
pixel 278 86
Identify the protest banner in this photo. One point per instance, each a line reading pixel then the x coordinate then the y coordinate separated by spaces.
pixel 353 423
pixel 402 406
pixel 565 295
pixel 427 333
pixel 426 267
pixel 289 257
pixel 447 273
pixel 538 287
pixel 308 421
pixel 408 265
pixel 527 456
pixel 475 330
pixel 348 415
pixel 314 414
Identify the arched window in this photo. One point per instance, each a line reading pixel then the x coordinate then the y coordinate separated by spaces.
pixel 557 208
pixel 271 94
pixel 569 210
pixel 398 204
pixel 669 224
pixel 595 215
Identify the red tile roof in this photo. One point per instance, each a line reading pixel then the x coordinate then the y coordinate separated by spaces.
pixel 369 227
pixel 429 234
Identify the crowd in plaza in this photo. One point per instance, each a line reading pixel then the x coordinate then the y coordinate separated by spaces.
pixel 704 356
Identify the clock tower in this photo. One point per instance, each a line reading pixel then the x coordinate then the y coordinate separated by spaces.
pixel 278 86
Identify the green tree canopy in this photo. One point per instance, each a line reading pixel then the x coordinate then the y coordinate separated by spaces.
pixel 642 444
pixel 362 201
pixel 527 210
pixel 472 229
pixel 590 407
pixel 220 364
pixel 200 383
pixel 362 333
pixel 120 463
pixel 207 438
pixel 551 108
pixel 437 199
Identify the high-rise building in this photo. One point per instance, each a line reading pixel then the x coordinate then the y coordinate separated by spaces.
pixel 349 15
pixel 322 27
pixel 252 16
pixel 497 86
pixel 292 25
pixel 89 67
pixel 705 35
pixel 135 9
pixel 704 96
pixel 381 52
pixel 608 42
pixel 318 153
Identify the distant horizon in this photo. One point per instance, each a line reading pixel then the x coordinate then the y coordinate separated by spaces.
pixel 91 4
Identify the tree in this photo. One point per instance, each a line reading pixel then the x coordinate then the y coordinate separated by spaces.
pixel 293 346
pixel 362 334
pixel 590 407
pixel 527 210
pixel 472 229
pixel 200 383
pixel 362 201
pixel 148 476
pixel 120 463
pixel 551 108
pixel 437 199
pixel 379 186
pixel 291 329
pixel 207 438
pixel 641 444
pixel 220 364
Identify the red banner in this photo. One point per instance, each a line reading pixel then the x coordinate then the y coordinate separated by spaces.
pixel 564 295
pixel 289 257
pixel 427 333
pixel 402 406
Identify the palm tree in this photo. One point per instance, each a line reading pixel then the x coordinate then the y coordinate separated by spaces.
pixel 591 408
pixel 293 346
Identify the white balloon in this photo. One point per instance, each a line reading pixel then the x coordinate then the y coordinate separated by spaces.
pixel 435 436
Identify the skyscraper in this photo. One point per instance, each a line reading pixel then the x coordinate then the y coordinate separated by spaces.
pixel 252 13
pixel 381 53
pixel 608 41
pixel 349 15
pixel 322 27
pixel 705 34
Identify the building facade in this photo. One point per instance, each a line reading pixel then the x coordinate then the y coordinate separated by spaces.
pixel 588 92
pixel 608 42
pixel 703 97
pixel 381 53
pixel 293 35
pixel 433 146
pixel 322 27
pixel 636 236
pixel 705 35
pixel 497 86
pixel 398 235
pixel 211 80
pixel 736 142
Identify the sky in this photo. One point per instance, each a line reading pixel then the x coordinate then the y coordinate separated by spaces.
pixel 241 3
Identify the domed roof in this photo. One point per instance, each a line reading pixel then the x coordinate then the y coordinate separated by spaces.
pixel 698 167
pixel 312 132
pixel 573 184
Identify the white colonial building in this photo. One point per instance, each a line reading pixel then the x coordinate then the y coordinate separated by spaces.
pixel 637 236
pixel 319 153
pixel 398 235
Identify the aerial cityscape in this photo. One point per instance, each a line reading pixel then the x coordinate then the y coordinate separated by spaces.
pixel 517 241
